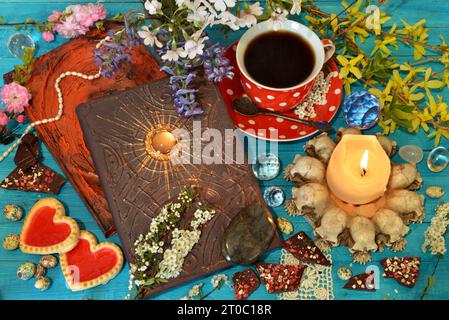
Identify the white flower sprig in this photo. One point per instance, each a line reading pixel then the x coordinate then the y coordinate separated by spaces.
pixel 149 247
pixel 182 243
pixel 217 282
pixel 153 265
pixel 296 7
pixel 434 235
pixel 195 291
pixel 199 14
pixel 153 7
pixel 278 17
pixel 169 216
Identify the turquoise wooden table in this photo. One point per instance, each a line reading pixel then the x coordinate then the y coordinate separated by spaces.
pixel 436 14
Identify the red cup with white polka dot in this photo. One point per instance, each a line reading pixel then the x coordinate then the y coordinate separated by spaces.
pixel 282 99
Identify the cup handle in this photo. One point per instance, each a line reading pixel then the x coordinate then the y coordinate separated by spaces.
pixel 329 49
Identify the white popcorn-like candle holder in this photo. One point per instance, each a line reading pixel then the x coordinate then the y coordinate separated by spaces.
pixel 364 223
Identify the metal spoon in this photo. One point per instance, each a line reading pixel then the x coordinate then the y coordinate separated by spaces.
pixel 247 108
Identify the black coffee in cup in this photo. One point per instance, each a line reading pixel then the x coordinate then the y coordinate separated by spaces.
pixel 279 59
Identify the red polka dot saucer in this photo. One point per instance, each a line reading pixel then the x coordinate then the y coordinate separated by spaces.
pixel 271 127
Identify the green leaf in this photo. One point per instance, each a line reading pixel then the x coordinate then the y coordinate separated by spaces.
pixel 352 48
pixel 402 114
pixel 118 17
pixel 379 68
pixel 430 282
pixel 22 72
pixel 150 282
pixel 404 108
pixel 99 25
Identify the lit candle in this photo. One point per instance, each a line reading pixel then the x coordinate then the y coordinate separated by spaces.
pixel 364 162
pixel 358 169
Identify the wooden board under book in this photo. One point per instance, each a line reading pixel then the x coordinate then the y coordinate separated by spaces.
pixel 64 138
pixel 137 186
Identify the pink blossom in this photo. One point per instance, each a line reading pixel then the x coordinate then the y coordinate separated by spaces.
pixel 55 16
pixel 89 14
pixel 15 97
pixel 70 28
pixel 77 19
pixel 4 119
pixel 48 36
pixel 21 118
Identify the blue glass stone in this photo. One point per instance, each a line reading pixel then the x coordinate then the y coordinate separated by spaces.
pixel 18 42
pixel 438 159
pixel 361 110
pixel 274 196
pixel 267 167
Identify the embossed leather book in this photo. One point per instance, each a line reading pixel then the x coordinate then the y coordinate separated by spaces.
pixel 138 183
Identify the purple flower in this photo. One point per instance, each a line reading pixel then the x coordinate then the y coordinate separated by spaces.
pixel 112 54
pixel 132 39
pixel 181 83
pixel 111 58
pixel 215 65
pixel 184 95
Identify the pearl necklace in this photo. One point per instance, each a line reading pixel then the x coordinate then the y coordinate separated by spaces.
pixel 60 102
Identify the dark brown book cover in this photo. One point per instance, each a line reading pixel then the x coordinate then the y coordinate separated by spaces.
pixel 64 137
pixel 137 186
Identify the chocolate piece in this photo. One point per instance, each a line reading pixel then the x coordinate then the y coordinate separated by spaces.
pixel 245 283
pixel 280 277
pixel 305 250
pixel 37 178
pixel 404 270
pixel 137 185
pixel 249 235
pixel 29 174
pixel 361 282
pixel 28 152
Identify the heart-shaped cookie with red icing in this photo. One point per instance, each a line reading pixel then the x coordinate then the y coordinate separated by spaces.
pixel 90 264
pixel 48 230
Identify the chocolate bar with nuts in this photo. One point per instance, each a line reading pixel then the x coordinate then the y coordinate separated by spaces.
pixel 361 282
pixel 305 250
pixel 279 278
pixel 245 283
pixel 404 270
pixel 37 178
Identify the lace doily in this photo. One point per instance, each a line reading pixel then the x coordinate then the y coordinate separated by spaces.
pixel 318 96
pixel 317 282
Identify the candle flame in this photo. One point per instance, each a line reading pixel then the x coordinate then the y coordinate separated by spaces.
pixel 364 162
